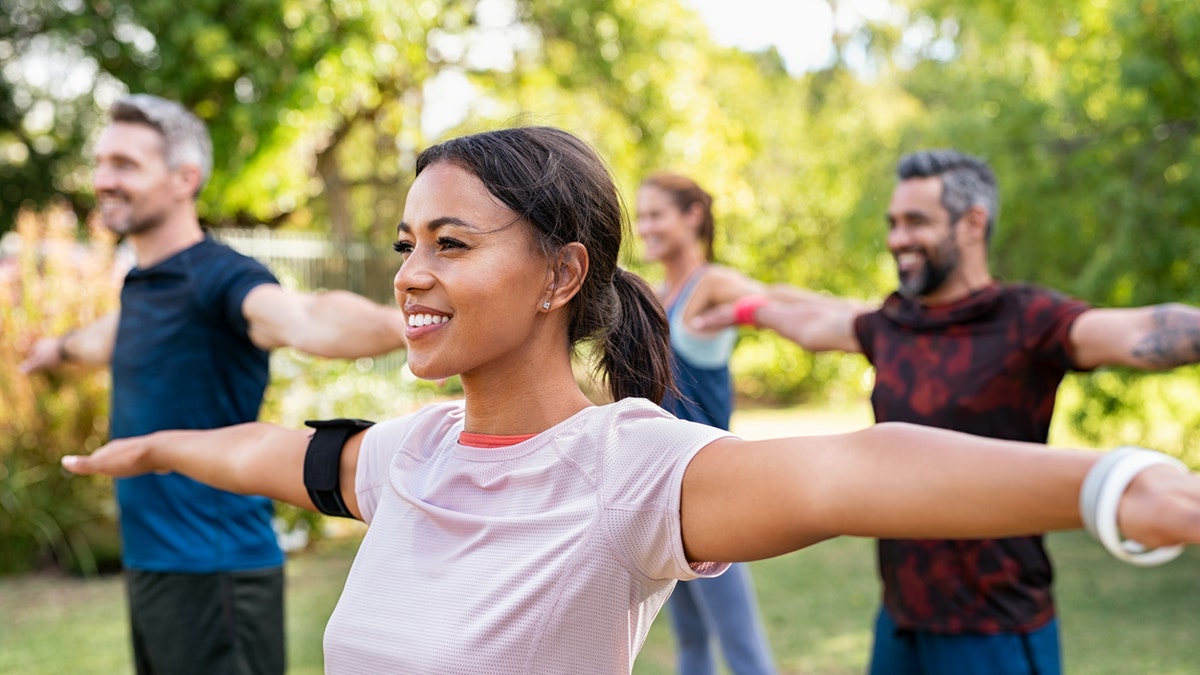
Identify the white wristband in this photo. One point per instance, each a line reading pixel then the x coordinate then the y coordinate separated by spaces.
pixel 1101 493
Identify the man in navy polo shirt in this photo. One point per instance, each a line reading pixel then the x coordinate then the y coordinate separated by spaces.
pixel 188 349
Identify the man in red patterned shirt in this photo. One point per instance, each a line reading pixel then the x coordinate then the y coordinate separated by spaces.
pixel 953 348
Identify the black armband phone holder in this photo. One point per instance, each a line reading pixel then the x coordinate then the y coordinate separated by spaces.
pixel 322 463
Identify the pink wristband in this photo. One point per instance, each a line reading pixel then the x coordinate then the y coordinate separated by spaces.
pixel 746 307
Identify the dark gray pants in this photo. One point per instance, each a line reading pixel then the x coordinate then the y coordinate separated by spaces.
pixel 227 623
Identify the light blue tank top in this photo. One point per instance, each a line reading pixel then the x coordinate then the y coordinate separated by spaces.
pixel 700 364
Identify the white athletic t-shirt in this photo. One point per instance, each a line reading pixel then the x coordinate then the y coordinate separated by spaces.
pixel 549 556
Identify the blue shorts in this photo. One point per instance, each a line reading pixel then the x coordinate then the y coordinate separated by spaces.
pixel 907 652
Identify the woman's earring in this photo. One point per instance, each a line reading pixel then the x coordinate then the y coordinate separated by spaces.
pixel 546 305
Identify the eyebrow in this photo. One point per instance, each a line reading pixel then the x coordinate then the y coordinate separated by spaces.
pixel 437 223
pixel 119 153
pixel 911 214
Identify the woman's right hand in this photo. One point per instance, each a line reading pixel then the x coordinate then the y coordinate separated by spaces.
pixel 120 458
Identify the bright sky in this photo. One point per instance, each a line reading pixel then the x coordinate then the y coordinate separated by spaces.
pixel 799 29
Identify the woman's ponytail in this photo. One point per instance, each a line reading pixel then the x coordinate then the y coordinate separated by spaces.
pixel 636 350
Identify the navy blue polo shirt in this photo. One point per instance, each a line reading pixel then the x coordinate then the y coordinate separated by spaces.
pixel 183 360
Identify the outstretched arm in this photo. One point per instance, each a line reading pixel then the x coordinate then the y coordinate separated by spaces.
pixel 815 321
pixel 253 458
pixel 332 324
pixel 90 345
pixel 1157 337
pixel 722 285
pixel 745 500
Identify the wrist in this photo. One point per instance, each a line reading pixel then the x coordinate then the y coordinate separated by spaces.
pixel 745 309
pixel 64 356
pixel 160 450
pixel 1100 498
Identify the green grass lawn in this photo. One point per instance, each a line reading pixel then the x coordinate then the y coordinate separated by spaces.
pixel 818 604
pixel 52 624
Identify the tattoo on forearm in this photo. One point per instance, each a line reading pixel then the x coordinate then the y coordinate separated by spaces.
pixel 1174 340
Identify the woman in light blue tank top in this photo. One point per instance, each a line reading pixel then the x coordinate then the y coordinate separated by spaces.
pixel 675 225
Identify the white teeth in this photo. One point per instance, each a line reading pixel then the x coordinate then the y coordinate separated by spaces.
pixel 418 320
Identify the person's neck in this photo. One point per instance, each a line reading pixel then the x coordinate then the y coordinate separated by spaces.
pixel 954 290
pixel 677 269
pixel 162 242
pixel 519 399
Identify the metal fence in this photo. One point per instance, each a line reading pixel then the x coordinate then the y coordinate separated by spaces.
pixel 311 261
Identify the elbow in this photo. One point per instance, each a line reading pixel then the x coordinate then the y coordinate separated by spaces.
pixel 245 466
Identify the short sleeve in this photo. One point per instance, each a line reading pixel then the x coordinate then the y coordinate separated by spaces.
pixel 1047 319
pixel 420 433
pixel 642 489
pixel 379 445
pixel 249 275
pixel 228 277
pixel 864 331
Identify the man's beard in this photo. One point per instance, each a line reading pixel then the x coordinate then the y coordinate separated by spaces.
pixel 937 268
pixel 134 223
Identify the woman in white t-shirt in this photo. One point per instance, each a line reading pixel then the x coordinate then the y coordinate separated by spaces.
pixel 527 530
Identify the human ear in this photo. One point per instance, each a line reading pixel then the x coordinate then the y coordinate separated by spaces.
pixel 695 215
pixel 188 179
pixel 566 275
pixel 976 219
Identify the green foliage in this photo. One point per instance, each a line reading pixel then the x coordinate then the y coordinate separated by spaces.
pixel 46 515
pixel 773 371
pixel 1116 407
pixel 304 99
pixel 304 387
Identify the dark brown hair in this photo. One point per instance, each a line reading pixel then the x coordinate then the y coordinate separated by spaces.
pixel 684 193
pixel 561 187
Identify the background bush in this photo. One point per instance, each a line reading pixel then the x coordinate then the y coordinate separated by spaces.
pixel 50 282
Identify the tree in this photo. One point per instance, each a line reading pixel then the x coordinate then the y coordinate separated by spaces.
pixel 285 87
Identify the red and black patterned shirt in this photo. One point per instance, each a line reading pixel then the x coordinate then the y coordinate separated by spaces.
pixel 990 365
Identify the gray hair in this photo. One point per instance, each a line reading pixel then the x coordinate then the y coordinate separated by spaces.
pixel 187 139
pixel 966 181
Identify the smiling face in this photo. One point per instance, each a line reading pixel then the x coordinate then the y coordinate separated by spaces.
pixel 921 237
pixel 135 189
pixel 664 229
pixel 472 281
